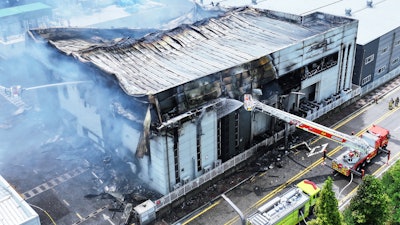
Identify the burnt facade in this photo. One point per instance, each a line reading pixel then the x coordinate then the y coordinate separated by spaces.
pixel 171 107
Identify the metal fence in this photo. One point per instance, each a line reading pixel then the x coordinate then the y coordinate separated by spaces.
pixel 334 104
pixel 217 170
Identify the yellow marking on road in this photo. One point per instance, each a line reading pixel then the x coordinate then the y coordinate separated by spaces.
pixel 281 187
pixel 262 174
pixel 202 212
pixel 318 162
pixel 348 195
pixel 351 117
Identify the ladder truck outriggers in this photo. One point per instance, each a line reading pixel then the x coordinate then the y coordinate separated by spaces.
pixel 361 149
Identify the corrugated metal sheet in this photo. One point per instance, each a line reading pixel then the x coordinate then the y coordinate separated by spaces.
pixel 13 209
pixel 161 61
pixel 374 21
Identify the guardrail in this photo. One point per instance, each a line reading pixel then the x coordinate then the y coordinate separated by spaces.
pixel 334 104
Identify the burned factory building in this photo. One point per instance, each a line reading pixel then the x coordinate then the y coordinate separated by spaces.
pixel 169 103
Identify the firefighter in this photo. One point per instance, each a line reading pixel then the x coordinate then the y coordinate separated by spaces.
pixel 7 91
pixel 396 103
pixel 324 157
pixel 391 104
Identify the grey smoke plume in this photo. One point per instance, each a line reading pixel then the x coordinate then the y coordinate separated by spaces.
pixel 39 140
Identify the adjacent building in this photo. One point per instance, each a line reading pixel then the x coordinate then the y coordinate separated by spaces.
pixel 378 39
pixel 13 209
pixel 16 20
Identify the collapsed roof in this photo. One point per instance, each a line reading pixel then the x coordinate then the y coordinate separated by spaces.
pixel 162 60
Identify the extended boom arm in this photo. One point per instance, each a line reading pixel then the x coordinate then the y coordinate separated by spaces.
pixel 350 141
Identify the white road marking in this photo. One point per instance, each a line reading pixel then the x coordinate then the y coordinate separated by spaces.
pixel 108 219
pixel 65 202
pixel 95 175
pixel 52 183
pixel 79 216
pixel 313 152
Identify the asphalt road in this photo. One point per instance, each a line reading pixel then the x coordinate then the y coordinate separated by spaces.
pixel 297 166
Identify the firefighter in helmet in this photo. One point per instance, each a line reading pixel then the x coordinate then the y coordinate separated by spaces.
pixel 391 104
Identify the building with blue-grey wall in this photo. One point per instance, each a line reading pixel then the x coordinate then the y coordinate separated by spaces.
pixel 378 39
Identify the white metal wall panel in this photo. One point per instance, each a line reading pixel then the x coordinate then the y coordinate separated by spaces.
pixel 209 139
pixel 169 142
pixel 327 84
pixel 129 137
pixel 349 32
pixel 187 150
pixel 262 123
pixel 159 165
pixel 350 64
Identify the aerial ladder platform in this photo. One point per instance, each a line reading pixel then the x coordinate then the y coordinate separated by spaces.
pixel 360 148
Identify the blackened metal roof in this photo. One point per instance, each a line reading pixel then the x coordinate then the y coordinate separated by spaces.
pixel 163 60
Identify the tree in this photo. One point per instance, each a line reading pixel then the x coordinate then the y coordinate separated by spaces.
pixel 347 217
pixel 370 205
pixel 391 184
pixel 326 207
